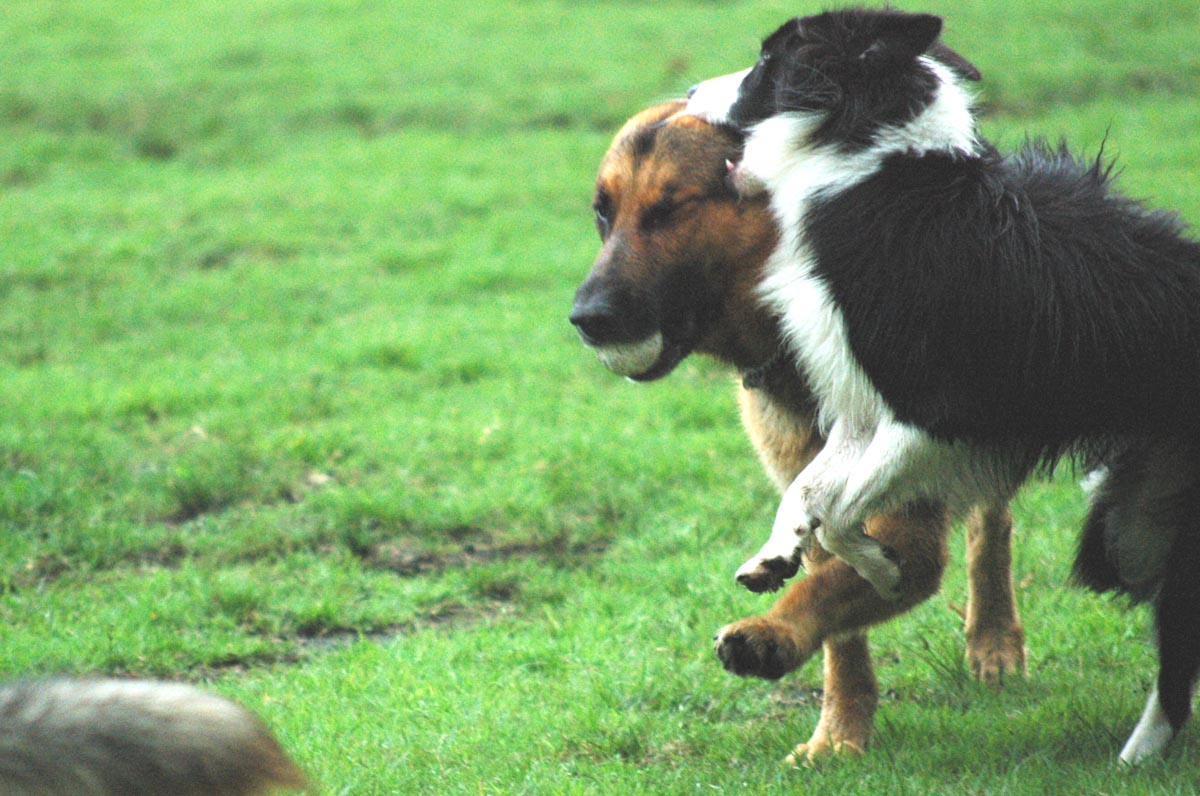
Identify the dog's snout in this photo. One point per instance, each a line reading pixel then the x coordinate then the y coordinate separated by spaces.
pixel 610 313
pixel 596 320
pixel 692 90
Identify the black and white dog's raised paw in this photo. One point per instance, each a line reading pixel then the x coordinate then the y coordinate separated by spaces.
pixel 767 574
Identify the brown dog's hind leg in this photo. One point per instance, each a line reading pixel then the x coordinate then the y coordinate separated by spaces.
pixel 995 638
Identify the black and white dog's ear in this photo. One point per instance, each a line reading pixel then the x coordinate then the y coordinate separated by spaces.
pixel 961 66
pixel 903 36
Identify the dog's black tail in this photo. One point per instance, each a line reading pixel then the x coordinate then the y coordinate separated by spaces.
pixel 1142 538
pixel 1145 500
pixel 134 738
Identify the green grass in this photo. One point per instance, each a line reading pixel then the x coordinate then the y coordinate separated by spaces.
pixel 290 406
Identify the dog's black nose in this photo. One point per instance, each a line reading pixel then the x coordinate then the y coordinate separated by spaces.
pixel 611 312
pixel 692 90
pixel 596 320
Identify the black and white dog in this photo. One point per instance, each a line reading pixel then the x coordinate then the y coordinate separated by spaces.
pixel 966 318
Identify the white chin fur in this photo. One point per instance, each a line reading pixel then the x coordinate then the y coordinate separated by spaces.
pixel 713 98
pixel 631 359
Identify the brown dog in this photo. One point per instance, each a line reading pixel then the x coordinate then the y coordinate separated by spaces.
pixel 679 270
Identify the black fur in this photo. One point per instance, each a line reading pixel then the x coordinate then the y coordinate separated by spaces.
pixel 998 299
pixel 1016 301
pixel 1175 622
pixel 839 63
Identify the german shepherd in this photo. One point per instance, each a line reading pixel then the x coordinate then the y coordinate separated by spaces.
pixel 678 272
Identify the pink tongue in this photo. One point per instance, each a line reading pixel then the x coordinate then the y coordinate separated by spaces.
pixel 729 165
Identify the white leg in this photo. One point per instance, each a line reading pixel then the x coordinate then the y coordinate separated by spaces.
pixel 1152 734
pixel 903 464
pixel 836 492
pixel 899 465
pixel 800 516
pixel 866 556
pixel 860 473
pixel 791 533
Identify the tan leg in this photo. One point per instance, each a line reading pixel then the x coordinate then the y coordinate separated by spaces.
pixel 831 605
pixel 995 638
pixel 833 600
pixel 848 705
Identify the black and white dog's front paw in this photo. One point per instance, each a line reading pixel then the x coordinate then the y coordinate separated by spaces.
pixel 780 558
pixel 810 513
pixel 767 574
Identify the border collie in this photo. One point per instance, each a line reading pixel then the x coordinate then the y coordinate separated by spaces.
pixel 966 318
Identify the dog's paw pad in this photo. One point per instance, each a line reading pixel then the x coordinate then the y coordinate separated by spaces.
pixel 756 652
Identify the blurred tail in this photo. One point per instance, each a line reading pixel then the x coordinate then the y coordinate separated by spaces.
pixel 68 737
pixel 1143 499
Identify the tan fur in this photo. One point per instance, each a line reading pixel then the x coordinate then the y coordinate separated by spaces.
pixel 995 638
pixel 741 231
pixel 832 606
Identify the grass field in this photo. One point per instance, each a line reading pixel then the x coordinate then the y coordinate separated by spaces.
pixel 290 406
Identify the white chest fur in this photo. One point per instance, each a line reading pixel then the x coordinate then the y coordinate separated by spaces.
pixel 795 174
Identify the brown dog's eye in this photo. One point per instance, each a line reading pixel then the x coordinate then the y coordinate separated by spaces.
pixel 603 225
pixel 602 206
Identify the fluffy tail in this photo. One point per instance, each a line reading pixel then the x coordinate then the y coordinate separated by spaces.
pixel 1144 496
pixel 1143 538
pixel 134 738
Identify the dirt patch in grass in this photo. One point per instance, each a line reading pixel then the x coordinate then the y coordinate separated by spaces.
pixel 317 638
pixel 43 570
pixel 410 560
pixel 450 614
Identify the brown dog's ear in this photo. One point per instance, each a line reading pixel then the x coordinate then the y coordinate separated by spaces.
pixel 902 37
pixel 650 116
pixel 667 109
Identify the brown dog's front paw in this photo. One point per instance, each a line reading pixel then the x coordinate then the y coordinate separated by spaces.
pixel 756 648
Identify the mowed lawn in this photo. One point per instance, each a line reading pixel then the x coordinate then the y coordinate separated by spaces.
pixel 290 407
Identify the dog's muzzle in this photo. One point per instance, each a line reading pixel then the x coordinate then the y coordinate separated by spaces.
pixel 626 342
pixel 712 99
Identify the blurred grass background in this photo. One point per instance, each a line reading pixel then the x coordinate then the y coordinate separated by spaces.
pixel 290 405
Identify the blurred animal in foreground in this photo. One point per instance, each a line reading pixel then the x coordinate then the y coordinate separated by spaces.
pixel 107 737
